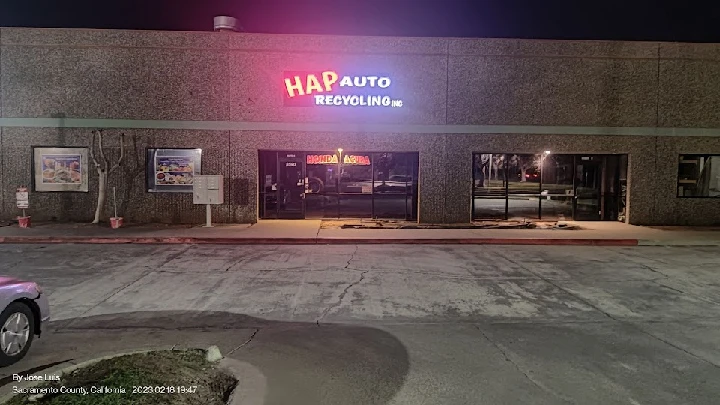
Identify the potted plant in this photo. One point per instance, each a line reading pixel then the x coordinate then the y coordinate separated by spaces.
pixel 23 221
pixel 23 203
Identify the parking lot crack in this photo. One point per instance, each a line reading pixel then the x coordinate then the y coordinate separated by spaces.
pixel 561 288
pixel 342 295
pixel 643 265
pixel 690 294
pixel 147 270
pixel 526 374
pixel 247 342
pixel 668 287
pixel 352 256
pixel 691 354
pixel 648 268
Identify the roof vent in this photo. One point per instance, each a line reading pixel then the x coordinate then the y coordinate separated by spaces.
pixel 224 23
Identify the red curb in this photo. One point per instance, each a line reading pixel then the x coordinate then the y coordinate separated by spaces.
pixel 313 241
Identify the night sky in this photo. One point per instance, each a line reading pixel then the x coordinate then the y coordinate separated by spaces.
pixel 542 19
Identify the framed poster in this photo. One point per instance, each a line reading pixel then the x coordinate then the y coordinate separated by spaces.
pixel 60 169
pixel 172 170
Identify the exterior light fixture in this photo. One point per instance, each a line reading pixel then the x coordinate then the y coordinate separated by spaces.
pixel 547 152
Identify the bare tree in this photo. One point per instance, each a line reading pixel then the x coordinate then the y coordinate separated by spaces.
pixel 103 168
pixel 498 162
pixel 524 163
pixel 132 171
pixel 481 169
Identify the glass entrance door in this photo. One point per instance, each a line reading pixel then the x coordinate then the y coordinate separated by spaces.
pixel 291 186
pixel 588 180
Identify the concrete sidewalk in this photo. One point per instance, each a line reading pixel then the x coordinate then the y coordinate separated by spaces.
pixel 312 232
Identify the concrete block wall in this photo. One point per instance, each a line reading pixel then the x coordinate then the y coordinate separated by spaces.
pixel 520 82
pixel 217 77
pixel 113 74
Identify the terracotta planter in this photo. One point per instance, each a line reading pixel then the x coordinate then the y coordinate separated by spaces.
pixel 116 222
pixel 24 222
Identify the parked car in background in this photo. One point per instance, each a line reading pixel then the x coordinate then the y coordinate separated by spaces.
pixel 395 184
pixel 24 311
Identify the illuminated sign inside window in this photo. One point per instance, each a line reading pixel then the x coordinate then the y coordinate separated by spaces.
pixel 329 88
pixel 333 159
pixel 322 159
pixel 356 160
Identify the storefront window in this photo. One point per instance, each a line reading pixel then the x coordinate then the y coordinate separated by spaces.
pixel 334 184
pixel 355 185
pixel 698 176
pixel 490 180
pixel 355 205
pixel 394 184
pixel 356 174
pixel 268 203
pixel 321 206
pixel 322 178
pixel 523 185
pixel 549 186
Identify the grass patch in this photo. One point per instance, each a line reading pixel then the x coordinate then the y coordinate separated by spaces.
pixel 177 377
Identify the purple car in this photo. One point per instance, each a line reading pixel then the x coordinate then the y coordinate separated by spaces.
pixel 25 309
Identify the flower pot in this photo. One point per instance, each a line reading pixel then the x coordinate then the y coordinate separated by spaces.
pixel 116 222
pixel 24 222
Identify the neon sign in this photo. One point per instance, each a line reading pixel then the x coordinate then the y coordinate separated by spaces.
pixel 356 160
pixel 333 160
pixel 328 88
pixel 321 159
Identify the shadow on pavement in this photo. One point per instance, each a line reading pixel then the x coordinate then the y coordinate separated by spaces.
pixel 302 363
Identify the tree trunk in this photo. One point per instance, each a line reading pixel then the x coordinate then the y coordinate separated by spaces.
pixel 102 194
pixel 524 171
pixel 490 168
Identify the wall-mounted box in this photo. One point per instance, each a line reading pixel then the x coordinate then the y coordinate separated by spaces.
pixel 208 189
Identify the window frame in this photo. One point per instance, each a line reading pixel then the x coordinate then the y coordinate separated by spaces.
pixel 681 183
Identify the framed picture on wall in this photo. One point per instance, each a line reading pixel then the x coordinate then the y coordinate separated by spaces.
pixel 60 169
pixel 172 170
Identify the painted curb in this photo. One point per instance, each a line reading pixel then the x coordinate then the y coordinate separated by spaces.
pixel 317 241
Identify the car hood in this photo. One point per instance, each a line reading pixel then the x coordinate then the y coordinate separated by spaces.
pixel 6 281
